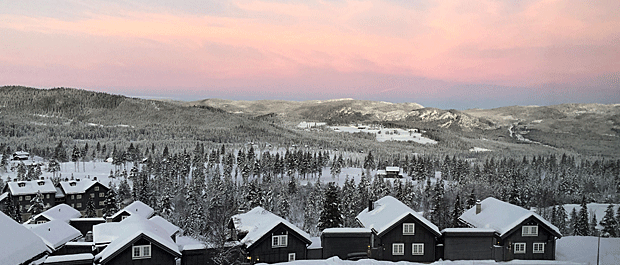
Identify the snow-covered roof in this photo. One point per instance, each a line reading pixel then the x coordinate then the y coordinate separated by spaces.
pixel 138 208
pixel 61 212
pixel 4 196
pixel 258 222
pixel 468 230
pixel 55 233
pixel 387 212
pixel 78 186
pixel 347 230
pixel 392 169
pixel 316 243
pixel 68 258
pixel 381 172
pixel 119 235
pixel 501 216
pixel 18 243
pixel 170 228
pixel 31 187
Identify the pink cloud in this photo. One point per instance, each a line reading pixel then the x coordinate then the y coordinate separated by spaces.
pixel 493 42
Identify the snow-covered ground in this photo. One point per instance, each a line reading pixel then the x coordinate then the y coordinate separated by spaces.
pixel 479 149
pixel 382 134
pixel 570 250
pixel 598 208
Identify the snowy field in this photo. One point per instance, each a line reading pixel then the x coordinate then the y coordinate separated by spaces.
pixel 382 134
pixel 570 250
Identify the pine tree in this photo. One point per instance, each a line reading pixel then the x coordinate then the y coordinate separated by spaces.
pixel 562 219
pixel 457 212
pixel 592 225
pixel 609 223
pixel 124 193
pixel 110 205
pixel 331 215
pixel 573 221
pixel 582 223
pixel 349 202
pixel 36 204
pixel 90 208
pixel 10 210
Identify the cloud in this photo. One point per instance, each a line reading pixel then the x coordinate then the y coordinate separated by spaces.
pixel 235 43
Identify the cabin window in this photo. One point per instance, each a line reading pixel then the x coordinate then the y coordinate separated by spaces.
pixel 279 241
pixel 92 195
pixel 73 197
pixel 79 205
pixel 101 194
pixel 529 230
pixel 291 256
pixel 47 196
pixel 408 229
pixel 101 203
pixel 20 198
pixel 539 248
pixel 41 183
pixel 417 249
pixel 21 184
pixel 27 198
pixel 96 188
pixel 79 196
pixel 124 217
pixel 141 252
pixel 41 222
pixel 398 249
pixel 519 248
pixel 72 183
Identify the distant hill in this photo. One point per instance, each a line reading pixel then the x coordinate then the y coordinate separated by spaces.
pixel 589 129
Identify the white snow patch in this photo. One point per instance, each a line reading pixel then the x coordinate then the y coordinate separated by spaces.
pixel 479 149
pixel 386 134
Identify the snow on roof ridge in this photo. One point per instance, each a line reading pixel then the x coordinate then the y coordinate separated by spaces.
pixel 55 233
pixel 501 216
pixel 135 207
pixel 61 212
pixel 79 186
pixel 258 221
pixel 31 187
pixel 18 243
pixel 389 210
pixel 119 234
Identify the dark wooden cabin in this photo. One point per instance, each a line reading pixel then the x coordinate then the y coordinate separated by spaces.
pixel 399 233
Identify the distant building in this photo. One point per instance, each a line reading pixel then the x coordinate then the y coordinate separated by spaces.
pixel 135 208
pixel 390 172
pixel 21 192
pixel 77 192
pixel 21 156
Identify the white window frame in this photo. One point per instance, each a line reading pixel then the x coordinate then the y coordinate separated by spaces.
pixel 291 256
pixel 408 228
pixel 20 198
pixel 41 222
pixel 398 249
pixel 279 241
pixel 96 188
pixel 73 197
pixel 79 196
pixel 47 196
pixel 27 197
pixel 417 249
pixel 92 195
pixel 101 194
pixel 79 205
pixel 520 248
pixel 140 252
pixel 538 248
pixel 529 230
pixel 101 203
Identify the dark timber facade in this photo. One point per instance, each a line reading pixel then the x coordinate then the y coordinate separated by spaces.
pixel 265 250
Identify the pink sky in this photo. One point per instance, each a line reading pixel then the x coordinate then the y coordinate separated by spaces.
pixel 429 52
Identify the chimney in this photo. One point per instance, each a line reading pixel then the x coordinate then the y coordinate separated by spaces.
pixel 478 207
pixel 371 205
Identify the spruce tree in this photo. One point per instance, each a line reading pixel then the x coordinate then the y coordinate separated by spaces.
pixel 592 225
pixel 36 204
pixel 582 223
pixel 562 219
pixel 331 215
pixel 573 221
pixel 110 205
pixel 90 208
pixel 609 223
pixel 457 212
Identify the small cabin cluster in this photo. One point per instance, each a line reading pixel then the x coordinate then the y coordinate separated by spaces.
pixel 75 193
pixel 390 172
pixel 389 230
